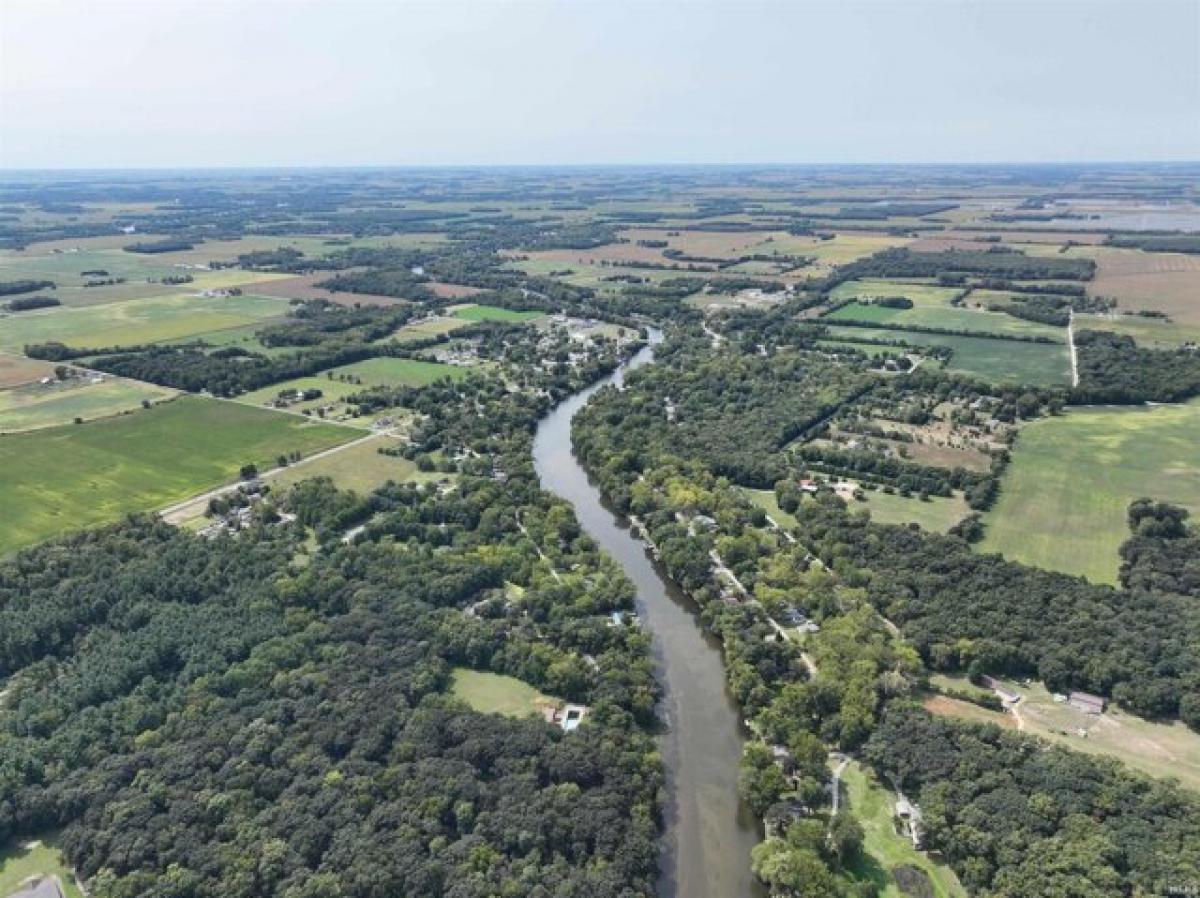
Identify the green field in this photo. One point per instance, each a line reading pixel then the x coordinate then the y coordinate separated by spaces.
pixel 1153 333
pixel 1063 499
pixel 38 405
pixel 391 372
pixel 948 318
pixel 938 513
pixel 425 328
pixel 922 295
pixel 331 391
pixel 491 693
pixel 884 849
pixel 18 863
pixel 999 361
pixel 65 478
pixel 361 468
pixel 151 320
pixel 494 313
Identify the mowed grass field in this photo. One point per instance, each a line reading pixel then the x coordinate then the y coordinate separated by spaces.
pixel 361 468
pixel 885 850
pixel 491 693
pixel 922 295
pixel 151 320
pixel 1063 500
pixel 18 863
pixel 937 514
pixel 1153 333
pixel 65 478
pixel 37 405
pixel 474 312
pixel 997 361
pixel 425 328
pixel 391 372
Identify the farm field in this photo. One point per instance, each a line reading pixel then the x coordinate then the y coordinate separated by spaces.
pixel 155 319
pixel 426 327
pixel 1063 498
pixel 491 693
pixel 493 313
pixel 886 851
pixel 1153 333
pixel 827 254
pixel 998 361
pixel 65 478
pixel 36 858
pixel 947 318
pixel 17 369
pixel 36 405
pixel 1163 282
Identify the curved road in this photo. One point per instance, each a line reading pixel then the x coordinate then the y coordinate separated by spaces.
pixel 709 832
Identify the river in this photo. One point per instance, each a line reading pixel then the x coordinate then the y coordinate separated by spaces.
pixel 709 832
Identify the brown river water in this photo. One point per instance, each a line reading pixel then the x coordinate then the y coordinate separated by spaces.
pixel 709 831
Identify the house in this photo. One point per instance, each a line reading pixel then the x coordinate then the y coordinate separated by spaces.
pixel 1086 702
pixel 909 816
pixel 808 486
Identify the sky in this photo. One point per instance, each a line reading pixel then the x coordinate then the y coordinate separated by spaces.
pixel 249 83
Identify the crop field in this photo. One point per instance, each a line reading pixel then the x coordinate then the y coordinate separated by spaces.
pixel 922 295
pixel 390 372
pixel 65 478
pixel 36 858
pixel 1153 333
pixel 884 850
pixel 491 693
pixel 843 248
pixel 714 244
pixel 999 361
pixel 132 322
pixel 304 287
pixel 947 318
pixel 1063 498
pixel 46 405
pixel 1163 282
pixel 494 313
pixel 17 369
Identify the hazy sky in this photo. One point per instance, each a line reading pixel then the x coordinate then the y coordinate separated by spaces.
pixel 98 83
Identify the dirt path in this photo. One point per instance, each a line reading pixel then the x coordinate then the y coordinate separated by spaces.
pixel 181 511
pixel 836 784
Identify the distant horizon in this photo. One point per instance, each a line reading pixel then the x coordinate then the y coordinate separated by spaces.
pixel 182 84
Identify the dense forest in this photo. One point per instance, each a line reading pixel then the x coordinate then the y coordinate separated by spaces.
pixel 1163 551
pixel 1114 369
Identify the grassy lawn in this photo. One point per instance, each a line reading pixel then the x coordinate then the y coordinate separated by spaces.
pixel 425 328
pixel 938 514
pixel 66 478
pixel 361 468
pixel 494 313
pixel 923 295
pixel 765 499
pixel 1063 499
pixel 998 361
pixel 17 864
pixel 391 372
pixel 1158 749
pixel 36 405
pixel 884 849
pixel 491 693
pixel 151 320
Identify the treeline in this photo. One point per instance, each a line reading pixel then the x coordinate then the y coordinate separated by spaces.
pixel 953 266
pixel 1163 551
pixel 26 303
pixel 1114 369
pixel 1053 310
pixel 983 615
pixel 25 285
pixel 1085 825
pixel 400 283
pixel 1157 243
pixel 166 245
